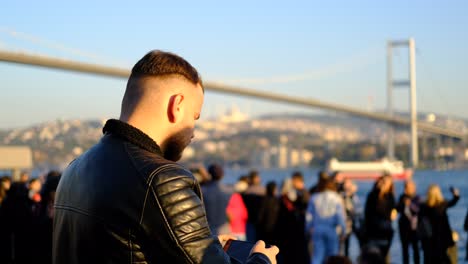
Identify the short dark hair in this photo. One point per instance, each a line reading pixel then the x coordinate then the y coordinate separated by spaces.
pixel 33 180
pixel 244 178
pixel 158 63
pixel 270 188
pixel 328 184
pixel 5 178
pixel 216 171
pixel 252 175
pixel 323 175
pixel 297 175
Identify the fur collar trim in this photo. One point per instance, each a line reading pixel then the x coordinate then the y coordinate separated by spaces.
pixel 131 134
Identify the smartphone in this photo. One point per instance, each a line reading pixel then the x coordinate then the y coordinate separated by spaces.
pixel 239 250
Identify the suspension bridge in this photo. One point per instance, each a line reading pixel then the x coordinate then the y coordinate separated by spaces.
pixel 104 70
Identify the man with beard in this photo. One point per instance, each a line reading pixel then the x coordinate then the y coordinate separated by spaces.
pixel 126 200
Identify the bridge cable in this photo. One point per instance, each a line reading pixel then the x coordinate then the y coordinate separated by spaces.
pixel 434 83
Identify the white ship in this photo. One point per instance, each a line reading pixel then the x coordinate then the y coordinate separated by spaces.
pixel 370 170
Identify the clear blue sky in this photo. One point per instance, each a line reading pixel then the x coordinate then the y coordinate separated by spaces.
pixel 329 50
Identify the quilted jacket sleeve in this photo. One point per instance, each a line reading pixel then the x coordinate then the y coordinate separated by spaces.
pixel 178 196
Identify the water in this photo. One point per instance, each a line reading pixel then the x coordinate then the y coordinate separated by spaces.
pixel 445 179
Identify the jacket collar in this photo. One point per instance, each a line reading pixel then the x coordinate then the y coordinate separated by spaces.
pixel 131 134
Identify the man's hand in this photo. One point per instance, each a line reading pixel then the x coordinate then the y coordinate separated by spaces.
pixel 224 238
pixel 270 252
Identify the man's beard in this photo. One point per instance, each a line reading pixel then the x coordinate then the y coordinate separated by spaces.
pixel 176 144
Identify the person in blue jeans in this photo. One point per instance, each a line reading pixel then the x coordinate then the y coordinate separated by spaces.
pixel 325 221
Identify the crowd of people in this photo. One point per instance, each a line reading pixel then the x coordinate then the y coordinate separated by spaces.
pixel 309 226
pixel 127 199
pixel 315 225
pixel 26 217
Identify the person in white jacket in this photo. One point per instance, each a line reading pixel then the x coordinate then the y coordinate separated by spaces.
pixel 325 221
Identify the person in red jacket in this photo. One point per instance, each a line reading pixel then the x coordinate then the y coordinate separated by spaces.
pixel 237 212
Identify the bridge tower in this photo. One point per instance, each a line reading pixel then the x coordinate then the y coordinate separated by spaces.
pixel 411 83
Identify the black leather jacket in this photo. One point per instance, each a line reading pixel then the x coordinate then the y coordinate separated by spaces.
pixel 122 202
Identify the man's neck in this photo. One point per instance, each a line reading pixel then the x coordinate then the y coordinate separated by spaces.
pixel 147 127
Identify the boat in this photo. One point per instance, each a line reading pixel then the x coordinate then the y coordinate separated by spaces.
pixel 369 170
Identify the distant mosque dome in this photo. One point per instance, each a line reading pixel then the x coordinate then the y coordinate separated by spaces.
pixel 234 115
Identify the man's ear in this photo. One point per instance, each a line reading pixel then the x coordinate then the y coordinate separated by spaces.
pixel 174 109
